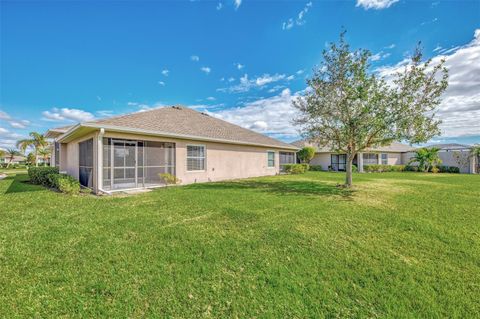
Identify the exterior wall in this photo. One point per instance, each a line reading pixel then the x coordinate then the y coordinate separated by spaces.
pixel 406 157
pixel 394 158
pixel 322 159
pixel 223 161
pixel 69 160
pixel 460 159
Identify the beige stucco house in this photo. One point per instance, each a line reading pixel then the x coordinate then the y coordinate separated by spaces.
pixel 393 154
pixel 133 150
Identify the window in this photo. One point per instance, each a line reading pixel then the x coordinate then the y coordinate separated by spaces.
pixel 57 154
pixel 85 162
pixel 339 162
pixel 271 159
pixel 195 157
pixel 384 159
pixel 370 158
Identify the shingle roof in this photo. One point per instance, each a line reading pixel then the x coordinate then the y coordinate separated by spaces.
pixel 450 146
pixel 186 122
pixel 393 147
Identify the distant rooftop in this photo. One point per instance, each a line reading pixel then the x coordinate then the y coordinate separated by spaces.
pixel 451 146
pixel 394 147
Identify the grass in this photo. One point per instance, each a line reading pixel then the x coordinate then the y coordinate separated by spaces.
pixel 403 245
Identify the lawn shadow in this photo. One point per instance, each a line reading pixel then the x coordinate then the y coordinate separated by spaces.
pixel 283 187
pixel 21 184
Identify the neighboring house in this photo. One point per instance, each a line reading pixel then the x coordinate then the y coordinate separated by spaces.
pixel 393 154
pixel 17 159
pixel 458 155
pixel 133 150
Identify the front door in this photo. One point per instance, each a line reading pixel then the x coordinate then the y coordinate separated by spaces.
pixel 124 168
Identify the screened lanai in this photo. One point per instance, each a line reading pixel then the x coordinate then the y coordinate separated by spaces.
pixel 133 163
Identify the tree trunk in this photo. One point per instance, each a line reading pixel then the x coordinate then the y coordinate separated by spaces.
pixel 36 158
pixel 348 179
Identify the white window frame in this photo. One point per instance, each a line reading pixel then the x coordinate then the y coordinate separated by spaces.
pixel 204 158
pixel 274 161
pixel 386 158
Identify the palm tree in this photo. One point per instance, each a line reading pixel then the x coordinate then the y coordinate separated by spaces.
pixel 11 152
pixel 426 158
pixel 45 154
pixel 37 141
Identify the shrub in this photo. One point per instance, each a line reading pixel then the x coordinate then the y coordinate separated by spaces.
pixel 169 179
pixel 306 154
pixel 39 175
pixel 397 168
pixel 305 166
pixel 453 169
pixel 64 183
pixel 315 167
pixel 354 168
pixel 384 168
pixel 435 170
pixel 295 168
pixel 410 168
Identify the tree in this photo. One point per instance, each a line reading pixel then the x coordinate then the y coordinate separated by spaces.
pixel 37 141
pixel 426 158
pixel 31 158
pixel 11 153
pixel 2 153
pixel 306 154
pixel 349 108
pixel 45 154
pixel 475 154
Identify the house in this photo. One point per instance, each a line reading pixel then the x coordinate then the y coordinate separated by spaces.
pixel 458 155
pixel 134 150
pixel 17 159
pixel 393 154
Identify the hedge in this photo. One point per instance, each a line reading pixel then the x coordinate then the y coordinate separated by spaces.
pixel 315 167
pixel 383 168
pixel 295 168
pixel 64 183
pixel 39 175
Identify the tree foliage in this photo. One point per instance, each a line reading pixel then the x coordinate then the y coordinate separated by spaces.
pixel 350 108
pixel 426 158
pixel 37 141
pixel 306 154
pixel 11 153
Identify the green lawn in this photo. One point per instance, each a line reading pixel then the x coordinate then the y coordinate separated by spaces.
pixel 399 245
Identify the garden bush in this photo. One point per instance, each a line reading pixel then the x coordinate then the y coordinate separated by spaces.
pixel 378 168
pixel 169 179
pixel 295 168
pixel 39 175
pixel 315 167
pixel 64 183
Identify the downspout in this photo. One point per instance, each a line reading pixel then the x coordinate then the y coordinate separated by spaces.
pixel 100 161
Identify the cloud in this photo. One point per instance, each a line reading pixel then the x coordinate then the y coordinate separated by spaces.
pixel 205 69
pixel 375 4
pixel 379 56
pixel 165 72
pixel 270 116
pixel 237 3
pixel 239 66
pixel 211 98
pixel 428 22
pixel 299 72
pixel 460 107
pixel 141 107
pixel 15 123
pixel 105 113
pixel 389 47
pixel 245 84
pixel 161 83
pixel 8 139
pixel 219 6
pixel 299 20
pixel 231 79
pixel 4 116
pixel 195 58
pixel 66 114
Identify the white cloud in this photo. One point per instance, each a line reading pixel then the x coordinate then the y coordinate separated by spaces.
pixel 269 115
pixel 211 98
pixel 239 66
pixel 161 83
pixel 231 79
pixel 219 6
pixel 66 114
pixel 237 3
pixel 245 84
pixel 105 113
pixel 299 20
pixel 165 72
pixel 19 124
pixel 300 72
pixel 460 108
pixel 379 56
pixel 375 4
pixel 4 116
pixel 195 58
pixel 389 47
pixel 3 130
pixel 205 69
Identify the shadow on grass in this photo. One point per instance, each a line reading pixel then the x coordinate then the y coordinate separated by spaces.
pixel 281 187
pixel 21 184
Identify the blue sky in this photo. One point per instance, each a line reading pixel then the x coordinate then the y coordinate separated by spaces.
pixel 244 61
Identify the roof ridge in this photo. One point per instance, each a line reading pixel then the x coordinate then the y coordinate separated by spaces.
pixel 133 113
